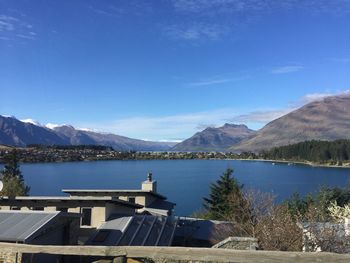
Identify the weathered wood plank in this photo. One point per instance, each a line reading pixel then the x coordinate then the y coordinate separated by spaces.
pixel 180 253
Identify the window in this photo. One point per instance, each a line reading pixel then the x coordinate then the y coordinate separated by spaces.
pixel 131 200
pixel 86 216
pixel 15 208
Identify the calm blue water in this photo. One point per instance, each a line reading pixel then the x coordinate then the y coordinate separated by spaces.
pixel 184 182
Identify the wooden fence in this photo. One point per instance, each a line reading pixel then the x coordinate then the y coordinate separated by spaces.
pixel 178 253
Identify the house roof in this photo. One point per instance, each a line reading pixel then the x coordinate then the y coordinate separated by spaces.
pixel 109 199
pixel 112 191
pixel 212 231
pixel 19 226
pixel 137 230
pixel 160 207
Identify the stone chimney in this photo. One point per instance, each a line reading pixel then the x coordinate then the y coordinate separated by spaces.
pixel 149 184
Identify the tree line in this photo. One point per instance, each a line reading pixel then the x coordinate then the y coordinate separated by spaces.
pixel 72 147
pixel 334 152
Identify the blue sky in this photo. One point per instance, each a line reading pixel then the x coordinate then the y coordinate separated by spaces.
pixel 162 70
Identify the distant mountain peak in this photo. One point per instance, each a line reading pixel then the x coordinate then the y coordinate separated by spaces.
pixel 215 139
pixel 18 133
pixel 232 125
pixel 324 119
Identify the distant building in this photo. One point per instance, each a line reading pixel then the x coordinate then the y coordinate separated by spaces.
pixel 38 228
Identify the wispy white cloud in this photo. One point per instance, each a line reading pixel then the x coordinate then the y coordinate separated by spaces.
pixel 286 69
pixel 334 7
pixel 7 23
pixel 320 96
pixel 221 6
pixel 169 128
pixel 30 35
pixel 215 81
pixel 195 31
pixel 261 116
pixel 107 11
pixel 15 28
pixel 226 17
pixel 122 8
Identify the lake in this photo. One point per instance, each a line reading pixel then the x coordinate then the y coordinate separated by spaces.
pixel 184 182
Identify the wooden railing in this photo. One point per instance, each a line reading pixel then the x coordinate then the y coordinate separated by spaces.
pixel 178 253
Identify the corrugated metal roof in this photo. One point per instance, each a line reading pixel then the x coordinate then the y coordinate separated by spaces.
pixel 19 226
pixel 138 230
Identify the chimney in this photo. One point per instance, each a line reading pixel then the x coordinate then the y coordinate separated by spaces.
pixel 149 184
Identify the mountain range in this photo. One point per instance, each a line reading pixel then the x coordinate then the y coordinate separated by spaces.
pixel 326 119
pixel 20 133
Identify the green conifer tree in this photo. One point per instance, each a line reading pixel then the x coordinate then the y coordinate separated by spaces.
pixel 219 205
pixel 12 177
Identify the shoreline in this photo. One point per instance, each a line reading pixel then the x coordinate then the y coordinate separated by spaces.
pixel 307 163
pixel 296 163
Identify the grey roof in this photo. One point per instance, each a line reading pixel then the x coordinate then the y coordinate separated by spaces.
pixel 113 191
pixel 212 231
pixel 110 199
pixel 19 226
pixel 137 230
pixel 160 208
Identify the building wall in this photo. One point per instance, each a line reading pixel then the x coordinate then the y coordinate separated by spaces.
pixel 141 200
pixel 50 208
pixel 149 186
pixel 98 216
